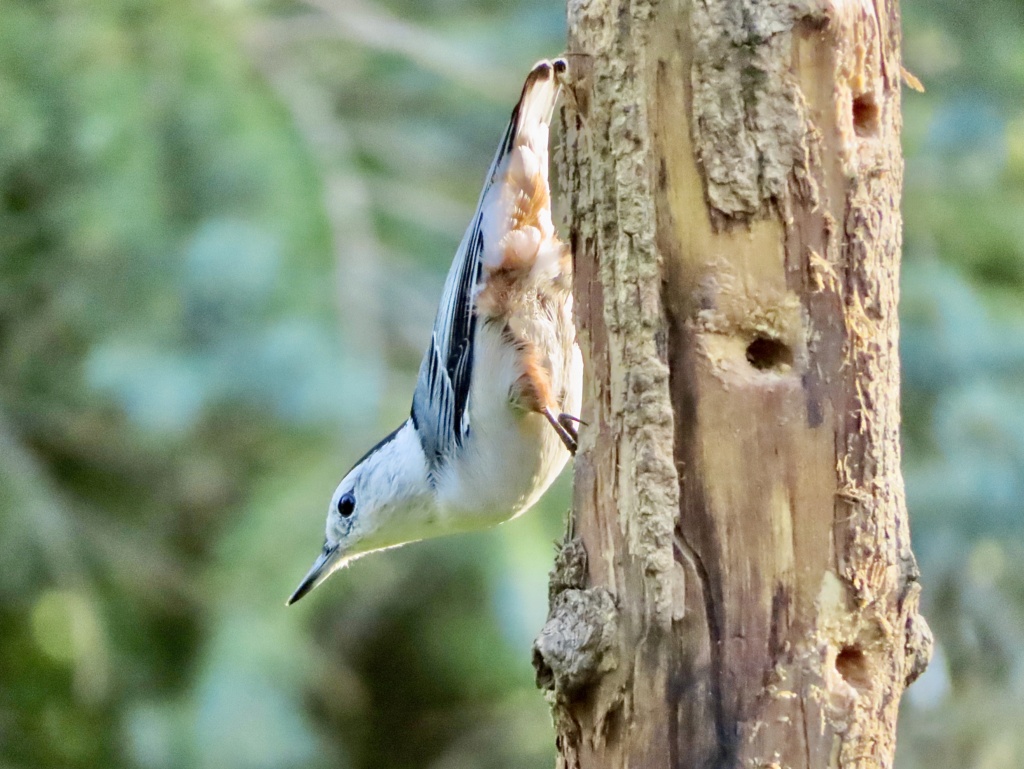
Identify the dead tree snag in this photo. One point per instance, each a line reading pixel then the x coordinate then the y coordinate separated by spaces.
pixel 740 581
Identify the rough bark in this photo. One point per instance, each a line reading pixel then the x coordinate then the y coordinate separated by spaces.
pixel 738 589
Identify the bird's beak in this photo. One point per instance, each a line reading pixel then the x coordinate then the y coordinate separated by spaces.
pixel 323 567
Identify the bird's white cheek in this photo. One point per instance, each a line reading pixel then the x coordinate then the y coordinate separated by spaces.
pixel 339 529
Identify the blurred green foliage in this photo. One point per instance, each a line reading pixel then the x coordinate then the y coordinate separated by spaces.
pixel 223 229
pixel 963 378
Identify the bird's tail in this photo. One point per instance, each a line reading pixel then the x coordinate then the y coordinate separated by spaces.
pixel 516 204
pixel 532 115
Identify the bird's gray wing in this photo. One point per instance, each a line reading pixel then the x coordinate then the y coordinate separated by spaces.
pixel 439 405
pixel 442 390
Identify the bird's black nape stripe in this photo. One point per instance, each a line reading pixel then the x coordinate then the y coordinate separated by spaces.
pixel 379 445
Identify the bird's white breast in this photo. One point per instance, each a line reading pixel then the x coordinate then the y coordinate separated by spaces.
pixel 511 456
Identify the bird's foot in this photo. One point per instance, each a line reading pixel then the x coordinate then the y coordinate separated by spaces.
pixel 565 426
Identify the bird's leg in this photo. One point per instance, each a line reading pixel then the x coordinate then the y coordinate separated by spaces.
pixel 565 426
pixel 533 393
pixel 569 422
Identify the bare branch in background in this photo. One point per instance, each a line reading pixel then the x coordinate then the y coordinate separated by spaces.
pixel 347 199
pixel 375 28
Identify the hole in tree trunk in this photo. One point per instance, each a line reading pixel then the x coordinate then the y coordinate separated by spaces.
pixel 767 354
pixel 865 115
pixel 852 665
pixel 545 675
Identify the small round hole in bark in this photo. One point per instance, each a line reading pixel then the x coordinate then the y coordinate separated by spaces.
pixel 865 115
pixel 852 665
pixel 767 354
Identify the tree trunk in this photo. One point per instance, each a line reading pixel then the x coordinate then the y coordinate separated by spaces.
pixel 738 589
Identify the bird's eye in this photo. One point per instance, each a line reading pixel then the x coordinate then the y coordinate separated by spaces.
pixel 346 505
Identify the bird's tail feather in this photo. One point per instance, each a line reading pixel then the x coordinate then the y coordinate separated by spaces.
pixel 516 206
pixel 532 114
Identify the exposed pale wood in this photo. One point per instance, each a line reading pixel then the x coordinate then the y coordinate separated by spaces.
pixel 748 596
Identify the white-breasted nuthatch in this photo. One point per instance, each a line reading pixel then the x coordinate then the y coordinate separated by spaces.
pixel 491 424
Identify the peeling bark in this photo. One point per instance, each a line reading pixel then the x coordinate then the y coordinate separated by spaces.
pixel 740 590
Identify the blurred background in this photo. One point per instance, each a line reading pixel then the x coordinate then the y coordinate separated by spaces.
pixel 224 226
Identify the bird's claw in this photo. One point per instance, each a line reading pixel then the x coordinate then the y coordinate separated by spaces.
pixel 568 423
pixel 565 426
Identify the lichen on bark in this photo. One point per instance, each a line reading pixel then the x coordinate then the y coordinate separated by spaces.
pixel 746 118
